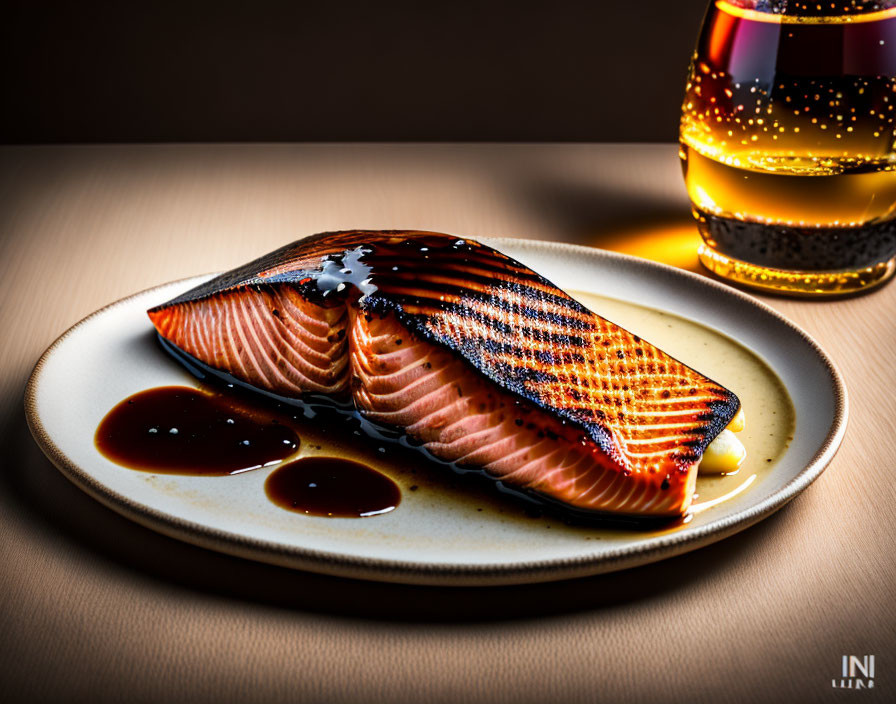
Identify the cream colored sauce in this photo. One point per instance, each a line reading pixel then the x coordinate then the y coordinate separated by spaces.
pixel 769 412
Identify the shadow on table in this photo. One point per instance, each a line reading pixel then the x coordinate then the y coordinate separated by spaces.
pixel 81 523
pixel 620 219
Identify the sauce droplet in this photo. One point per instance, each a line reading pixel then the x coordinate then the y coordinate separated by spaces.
pixel 326 486
pixel 181 430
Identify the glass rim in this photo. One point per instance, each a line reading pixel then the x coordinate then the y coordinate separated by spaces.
pixel 779 18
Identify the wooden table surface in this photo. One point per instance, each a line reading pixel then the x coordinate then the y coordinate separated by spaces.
pixel 95 607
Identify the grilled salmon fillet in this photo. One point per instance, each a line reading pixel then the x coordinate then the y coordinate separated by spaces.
pixel 478 358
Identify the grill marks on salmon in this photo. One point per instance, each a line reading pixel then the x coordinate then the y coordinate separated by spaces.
pixel 480 359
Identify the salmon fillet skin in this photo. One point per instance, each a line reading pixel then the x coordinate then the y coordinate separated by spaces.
pixel 475 357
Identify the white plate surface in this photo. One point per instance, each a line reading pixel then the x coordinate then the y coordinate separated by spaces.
pixel 111 355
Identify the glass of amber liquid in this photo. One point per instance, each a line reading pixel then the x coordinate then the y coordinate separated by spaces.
pixel 788 143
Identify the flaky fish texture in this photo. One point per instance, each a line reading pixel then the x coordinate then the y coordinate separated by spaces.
pixel 476 357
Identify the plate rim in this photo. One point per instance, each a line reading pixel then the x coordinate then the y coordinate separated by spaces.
pixel 451 573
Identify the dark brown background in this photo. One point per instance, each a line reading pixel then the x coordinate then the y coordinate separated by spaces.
pixel 347 70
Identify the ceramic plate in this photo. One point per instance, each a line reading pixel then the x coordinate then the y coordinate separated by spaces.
pixel 430 538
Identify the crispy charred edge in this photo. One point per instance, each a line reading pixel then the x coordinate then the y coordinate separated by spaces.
pixel 242 276
pixel 720 413
pixel 307 255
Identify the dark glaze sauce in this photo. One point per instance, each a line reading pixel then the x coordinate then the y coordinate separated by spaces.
pixel 325 486
pixel 180 430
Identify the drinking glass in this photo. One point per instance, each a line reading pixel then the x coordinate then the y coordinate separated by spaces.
pixel 788 143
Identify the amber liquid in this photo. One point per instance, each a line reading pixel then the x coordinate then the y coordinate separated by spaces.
pixel 788 146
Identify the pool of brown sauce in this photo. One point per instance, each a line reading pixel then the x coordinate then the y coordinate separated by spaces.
pixel 215 432
pixel 333 487
pixel 324 462
pixel 182 430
